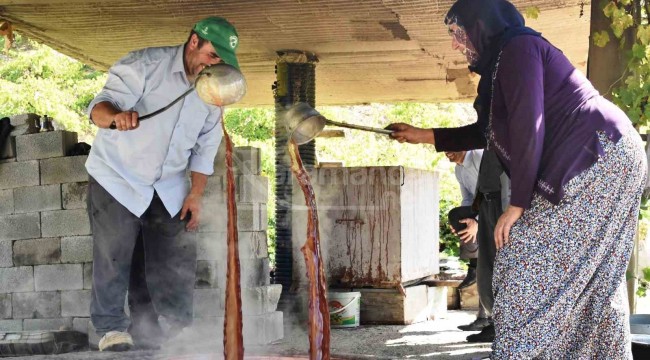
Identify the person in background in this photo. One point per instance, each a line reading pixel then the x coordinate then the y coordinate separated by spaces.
pixel 143 209
pixel 577 169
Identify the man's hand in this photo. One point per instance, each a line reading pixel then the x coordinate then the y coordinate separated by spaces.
pixel 411 134
pixel 104 114
pixel 192 205
pixel 468 234
pixel 502 229
pixel 126 120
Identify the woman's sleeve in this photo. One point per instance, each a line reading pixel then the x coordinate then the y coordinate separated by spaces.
pixel 462 138
pixel 520 82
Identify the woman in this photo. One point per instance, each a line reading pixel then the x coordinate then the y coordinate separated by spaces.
pixel 577 170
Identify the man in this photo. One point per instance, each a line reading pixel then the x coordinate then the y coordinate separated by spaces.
pixel 463 219
pixel 138 187
pixel 492 197
pixel 463 222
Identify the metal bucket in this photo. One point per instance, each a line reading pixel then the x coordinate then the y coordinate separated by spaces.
pixel 303 123
pixel 220 85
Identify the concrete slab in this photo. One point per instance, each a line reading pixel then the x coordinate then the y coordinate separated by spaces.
pixel 438 339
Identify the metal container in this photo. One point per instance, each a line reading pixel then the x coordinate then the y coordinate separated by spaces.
pixel 220 85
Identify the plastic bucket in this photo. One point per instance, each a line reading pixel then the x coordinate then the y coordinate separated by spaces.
pixel 345 309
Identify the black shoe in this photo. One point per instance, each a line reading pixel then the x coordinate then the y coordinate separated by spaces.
pixel 486 335
pixel 470 279
pixel 476 325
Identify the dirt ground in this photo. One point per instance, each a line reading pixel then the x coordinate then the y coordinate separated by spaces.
pixel 437 339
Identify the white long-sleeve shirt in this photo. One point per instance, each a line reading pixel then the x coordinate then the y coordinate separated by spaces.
pixel 131 165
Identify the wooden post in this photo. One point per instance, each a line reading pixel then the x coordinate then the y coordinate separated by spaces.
pixel 606 65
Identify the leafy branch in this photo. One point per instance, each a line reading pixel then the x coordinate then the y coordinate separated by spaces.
pixel 632 94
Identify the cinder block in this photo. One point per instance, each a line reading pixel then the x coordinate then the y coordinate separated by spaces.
pixel 206 275
pixel 21 119
pixel 77 249
pixel 75 303
pixel 252 189
pixel 6 251
pixel 6 202
pixel 252 245
pixel 58 277
pixel 37 252
pixel 43 145
pixel 74 195
pixel 11 325
pixel 20 226
pixel 8 150
pixel 37 305
pixel 247 160
pixel 65 223
pixel 249 217
pixel 260 299
pixel 80 324
pixel 16 279
pixel 61 170
pixel 47 324
pixel 19 174
pixel 264 328
pixel 37 198
pixel 5 307
pixel 208 302
pixel 253 272
pixel 88 276
pixel 215 189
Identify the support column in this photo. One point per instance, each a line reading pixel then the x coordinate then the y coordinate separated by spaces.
pixel 296 82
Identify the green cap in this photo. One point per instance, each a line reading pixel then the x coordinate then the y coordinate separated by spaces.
pixel 223 37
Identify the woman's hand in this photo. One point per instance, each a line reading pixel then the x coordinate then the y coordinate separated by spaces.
pixel 411 134
pixel 506 220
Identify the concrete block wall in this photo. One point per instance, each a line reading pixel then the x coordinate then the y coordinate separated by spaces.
pixel 46 241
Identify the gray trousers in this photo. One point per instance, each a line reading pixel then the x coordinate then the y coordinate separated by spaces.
pixel 161 280
pixel 489 211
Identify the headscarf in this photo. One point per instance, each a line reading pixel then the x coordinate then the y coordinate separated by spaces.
pixel 489 25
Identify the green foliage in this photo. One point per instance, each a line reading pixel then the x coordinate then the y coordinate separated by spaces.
pixel 532 12
pixel 35 78
pixel 632 93
pixel 601 38
pixel 644 283
pixel 449 243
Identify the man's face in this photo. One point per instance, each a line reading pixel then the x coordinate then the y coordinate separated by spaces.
pixel 455 156
pixel 198 58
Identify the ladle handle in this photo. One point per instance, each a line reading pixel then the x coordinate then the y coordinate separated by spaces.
pixel 359 127
pixel 145 117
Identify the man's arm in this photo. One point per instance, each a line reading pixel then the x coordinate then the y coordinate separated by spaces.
pixel 105 113
pixel 192 203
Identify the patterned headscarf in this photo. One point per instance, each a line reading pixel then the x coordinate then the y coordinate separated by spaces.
pixel 460 36
pixel 487 25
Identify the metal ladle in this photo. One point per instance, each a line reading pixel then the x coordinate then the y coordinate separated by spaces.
pixel 219 85
pixel 304 123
